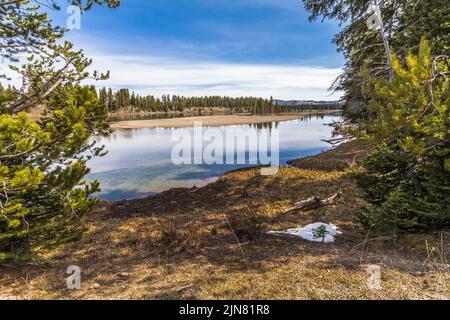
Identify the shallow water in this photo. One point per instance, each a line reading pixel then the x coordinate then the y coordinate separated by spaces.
pixel 139 162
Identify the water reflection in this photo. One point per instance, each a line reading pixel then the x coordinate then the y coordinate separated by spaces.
pixel 158 116
pixel 138 161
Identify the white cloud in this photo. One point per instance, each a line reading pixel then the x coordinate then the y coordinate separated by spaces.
pixel 157 76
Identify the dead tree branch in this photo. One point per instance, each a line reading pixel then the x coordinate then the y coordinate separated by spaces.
pixel 314 202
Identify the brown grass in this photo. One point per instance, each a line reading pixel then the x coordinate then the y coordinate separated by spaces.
pixel 341 158
pixel 210 243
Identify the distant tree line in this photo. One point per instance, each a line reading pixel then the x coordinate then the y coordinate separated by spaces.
pixel 123 100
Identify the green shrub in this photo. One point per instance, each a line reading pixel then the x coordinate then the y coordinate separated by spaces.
pixel 407 176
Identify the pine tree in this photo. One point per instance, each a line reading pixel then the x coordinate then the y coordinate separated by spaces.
pixel 42 162
pixel 407 175
pixel 133 100
pixel 405 23
pixel 103 97
pixel 111 101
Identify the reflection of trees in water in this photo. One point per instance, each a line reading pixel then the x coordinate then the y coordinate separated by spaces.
pixel 309 117
pixel 127 134
pixel 264 125
pixel 159 116
pixel 115 136
pixel 275 124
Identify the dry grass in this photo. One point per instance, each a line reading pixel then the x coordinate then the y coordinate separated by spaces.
pixel 346 155
pixel 210 243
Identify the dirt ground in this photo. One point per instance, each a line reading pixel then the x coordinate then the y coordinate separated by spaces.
pixel 211 243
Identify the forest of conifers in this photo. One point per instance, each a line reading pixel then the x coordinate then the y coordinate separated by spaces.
pixel 123 100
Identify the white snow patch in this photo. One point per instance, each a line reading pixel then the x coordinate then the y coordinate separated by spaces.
pixel 311 232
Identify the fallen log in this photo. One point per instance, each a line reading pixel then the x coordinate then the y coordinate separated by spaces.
pixel 314 202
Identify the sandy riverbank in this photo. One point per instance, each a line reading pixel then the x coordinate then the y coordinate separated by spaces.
pixel 217 120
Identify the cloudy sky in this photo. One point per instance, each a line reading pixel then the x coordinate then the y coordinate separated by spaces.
pixel 208 47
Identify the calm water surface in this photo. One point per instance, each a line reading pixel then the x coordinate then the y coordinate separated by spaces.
pixel 157 116
pixel 139 163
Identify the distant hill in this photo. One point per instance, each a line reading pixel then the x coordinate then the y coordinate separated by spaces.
pixel 304 102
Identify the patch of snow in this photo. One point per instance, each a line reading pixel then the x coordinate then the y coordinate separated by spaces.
pixel 312 232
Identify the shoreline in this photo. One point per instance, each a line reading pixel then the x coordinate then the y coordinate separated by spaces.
pixel 215 120
pixel 213 243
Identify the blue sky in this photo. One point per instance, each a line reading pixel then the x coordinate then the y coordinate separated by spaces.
pixel 205 47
